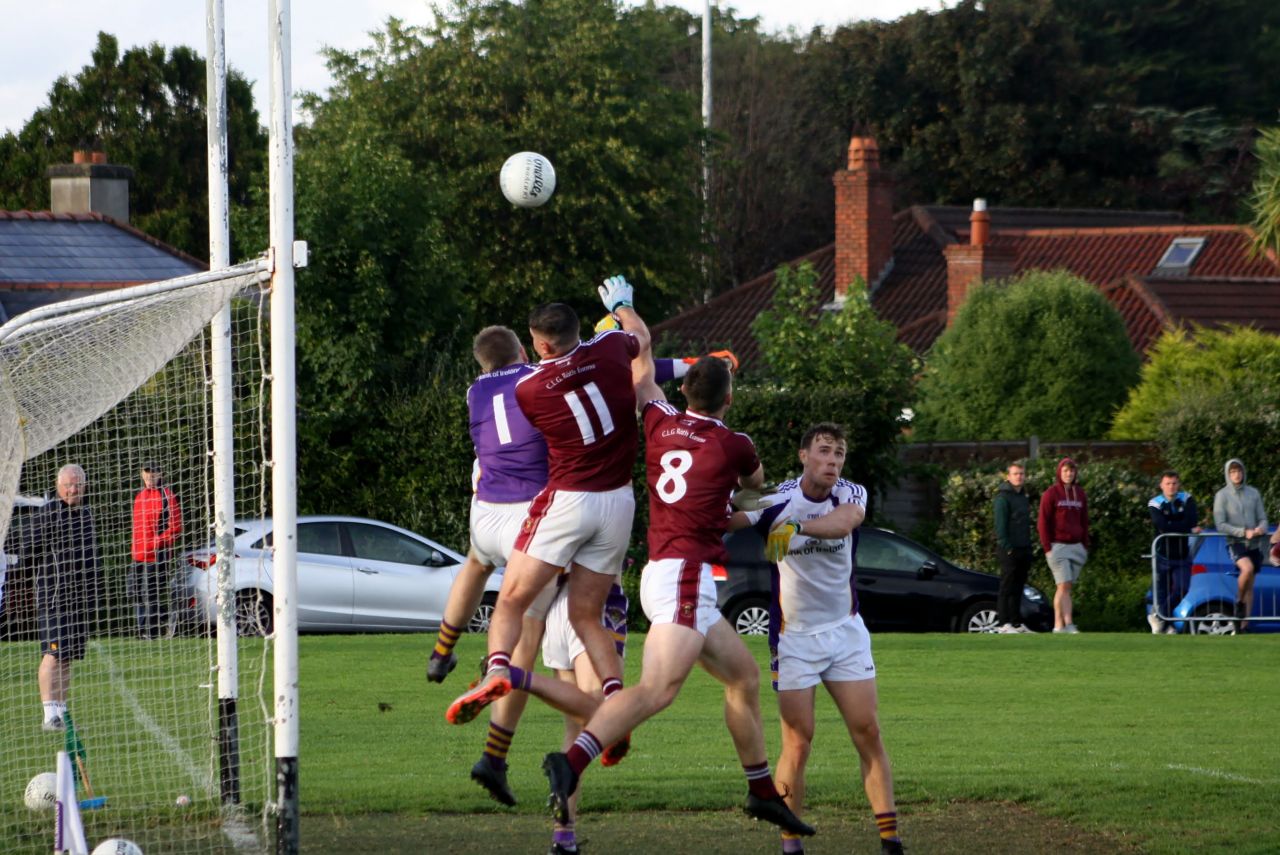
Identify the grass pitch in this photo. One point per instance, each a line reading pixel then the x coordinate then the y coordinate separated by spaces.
pixel 1117 742
pixel 1122 743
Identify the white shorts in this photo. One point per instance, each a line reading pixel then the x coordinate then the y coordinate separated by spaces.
pixel 561 646
pixel 540 608
pixel 567 527
pixel 841 654
pixel 673 590
pixel 494 528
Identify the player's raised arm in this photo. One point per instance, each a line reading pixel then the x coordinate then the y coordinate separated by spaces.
pixel 643 375
pixel 617 295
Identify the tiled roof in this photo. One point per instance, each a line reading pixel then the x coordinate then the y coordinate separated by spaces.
pixel 1116 250
pixel 726 319
pixel 46 257
pixel 1222 299
pixel 37 246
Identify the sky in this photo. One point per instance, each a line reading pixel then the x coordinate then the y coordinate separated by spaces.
pixel 44 39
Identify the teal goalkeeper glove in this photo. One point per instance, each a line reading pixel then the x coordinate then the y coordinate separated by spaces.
pixel 616 293
pixel 775 549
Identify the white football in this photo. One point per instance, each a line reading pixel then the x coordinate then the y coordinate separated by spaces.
pixel 117 846
pixel 527 179
pixel 42 791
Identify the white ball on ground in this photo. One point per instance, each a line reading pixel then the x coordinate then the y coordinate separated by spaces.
pixel 182 800
pixel 117 846
pixel 42 791
pixel 527 179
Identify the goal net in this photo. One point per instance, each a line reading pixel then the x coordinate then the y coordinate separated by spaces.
pixel 117 387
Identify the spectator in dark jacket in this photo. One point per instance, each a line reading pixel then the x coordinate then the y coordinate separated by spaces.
pixel 1173 513
pixel 157 523
pixel 64 545
pixel 1064 535
pixel 1013 546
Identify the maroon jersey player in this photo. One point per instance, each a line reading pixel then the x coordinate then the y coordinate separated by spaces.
pixel 693 464
pixel 581 398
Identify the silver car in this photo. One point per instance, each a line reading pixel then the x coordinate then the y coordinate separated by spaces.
pixel 354 575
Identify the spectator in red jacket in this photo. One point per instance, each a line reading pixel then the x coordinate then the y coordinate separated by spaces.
pixel 1064 535
pixel 157 523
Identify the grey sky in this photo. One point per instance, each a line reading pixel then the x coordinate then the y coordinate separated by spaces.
pixel 43 39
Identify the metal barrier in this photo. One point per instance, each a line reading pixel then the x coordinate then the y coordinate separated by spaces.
pixel 1195 585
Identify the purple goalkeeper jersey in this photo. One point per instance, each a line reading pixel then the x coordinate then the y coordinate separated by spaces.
pixel 511 452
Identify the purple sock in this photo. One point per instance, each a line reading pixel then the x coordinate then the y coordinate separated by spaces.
pixel 565 839
pixel 520 678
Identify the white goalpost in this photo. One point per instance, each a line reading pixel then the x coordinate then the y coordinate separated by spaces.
pixel 124 406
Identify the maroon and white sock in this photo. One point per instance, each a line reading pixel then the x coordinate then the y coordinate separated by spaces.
pixel 611 687
pixel 584 749
pixel 498 659
pixel 760 782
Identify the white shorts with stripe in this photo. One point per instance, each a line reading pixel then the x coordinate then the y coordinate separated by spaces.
pixel 567 527
pixel 840 654
pixel 673 590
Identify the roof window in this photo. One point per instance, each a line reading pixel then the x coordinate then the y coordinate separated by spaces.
pixel 1177 259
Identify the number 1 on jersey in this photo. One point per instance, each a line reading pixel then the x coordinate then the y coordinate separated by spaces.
pixel 585 427
pixel 500 419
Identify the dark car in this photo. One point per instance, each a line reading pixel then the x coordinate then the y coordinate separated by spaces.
pixel 901 586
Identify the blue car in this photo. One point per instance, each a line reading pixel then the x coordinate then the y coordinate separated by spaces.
pixel 1211 595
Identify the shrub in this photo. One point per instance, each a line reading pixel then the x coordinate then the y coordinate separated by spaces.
pixel 1189 367
pixel 1043 354
pixel 1204 433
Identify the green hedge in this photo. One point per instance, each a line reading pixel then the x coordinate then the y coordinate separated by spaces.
pixel 1109 595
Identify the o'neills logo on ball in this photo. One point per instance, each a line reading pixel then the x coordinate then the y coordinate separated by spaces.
pixel 535 188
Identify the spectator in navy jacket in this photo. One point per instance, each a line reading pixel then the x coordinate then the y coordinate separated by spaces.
pixel 1173 513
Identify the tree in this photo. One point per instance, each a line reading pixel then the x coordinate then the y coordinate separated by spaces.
pixel 1043 354
pixel 1208 395
pixel 843 364
pixel 572 79
pixel 146 109
pixel 1199 364
pixel 1265 199
pixel 378 304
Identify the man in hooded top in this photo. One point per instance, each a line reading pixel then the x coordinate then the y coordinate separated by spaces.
pixel 1238 513
pixel 1063 526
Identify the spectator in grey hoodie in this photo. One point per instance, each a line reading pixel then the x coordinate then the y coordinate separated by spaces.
pixel 1238 513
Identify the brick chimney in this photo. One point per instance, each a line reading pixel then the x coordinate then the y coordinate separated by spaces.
pixel 864 217
pixel 90 185
pixel 977 261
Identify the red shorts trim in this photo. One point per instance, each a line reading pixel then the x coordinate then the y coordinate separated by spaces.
pixel 538 509
pixel 687 594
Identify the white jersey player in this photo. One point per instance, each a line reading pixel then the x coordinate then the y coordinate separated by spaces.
pixel 816 633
